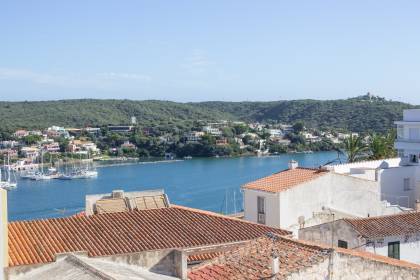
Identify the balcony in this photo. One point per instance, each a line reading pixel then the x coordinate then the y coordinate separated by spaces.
pixel 407 140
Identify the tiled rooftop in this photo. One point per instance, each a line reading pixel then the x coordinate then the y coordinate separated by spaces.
pixel 285 179
pixel 37 241
pixel 253 260
pixel 389 225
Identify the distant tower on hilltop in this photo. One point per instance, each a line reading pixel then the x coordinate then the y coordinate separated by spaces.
pixel 133 120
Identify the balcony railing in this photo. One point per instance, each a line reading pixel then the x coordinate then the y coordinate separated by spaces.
pixel 407 140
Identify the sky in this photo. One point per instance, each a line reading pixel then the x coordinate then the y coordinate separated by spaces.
pixel 230 50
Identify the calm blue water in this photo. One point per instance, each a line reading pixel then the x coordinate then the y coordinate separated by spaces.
pixel 199 183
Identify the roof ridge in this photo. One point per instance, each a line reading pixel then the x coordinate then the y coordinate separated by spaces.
pixel 353 252
pixel 221 216
pixel 408 213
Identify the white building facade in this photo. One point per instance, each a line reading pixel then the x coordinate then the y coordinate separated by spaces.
pixel 295 197
pixel 408 136
pixel 394 236
pixel 399 183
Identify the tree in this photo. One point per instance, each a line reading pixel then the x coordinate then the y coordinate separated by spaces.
pixel 382 146
pixel 354 147
pixel 298 127
pixel 32 139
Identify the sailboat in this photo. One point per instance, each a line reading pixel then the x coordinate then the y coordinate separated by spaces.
pixel 41 175
pixel 85 173
pixel 7 184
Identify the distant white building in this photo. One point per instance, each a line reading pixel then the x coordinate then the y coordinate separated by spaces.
pixel 194 136
pixel 275 132
pixel 408 137
pixel 212 130
pixel 394 236
pixel 310 137
pixel 57 131
pixel 303 196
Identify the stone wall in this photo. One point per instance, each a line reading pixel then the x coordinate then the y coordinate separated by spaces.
pixel 322 234
pixel 167 262
pixel 340 266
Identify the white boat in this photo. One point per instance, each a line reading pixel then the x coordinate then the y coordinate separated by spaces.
pixel 7 184
pixel 27 174
pixel 84 174
pixel 40 176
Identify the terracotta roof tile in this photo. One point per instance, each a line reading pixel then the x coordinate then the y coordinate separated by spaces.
pixel 285 179
pixel 37 241
pixel 253 260
pixel 389 225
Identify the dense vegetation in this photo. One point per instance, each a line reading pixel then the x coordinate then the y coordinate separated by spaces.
pixel 360 114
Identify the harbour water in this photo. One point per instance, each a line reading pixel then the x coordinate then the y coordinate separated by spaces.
pixel 209 184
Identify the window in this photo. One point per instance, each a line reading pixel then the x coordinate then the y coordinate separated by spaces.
pixel 401 153
pixel 394 250
pixel 414 158
pixel 406 184
pixel 414 133
pixel 400 132
pixel 261 210
pixel 342 244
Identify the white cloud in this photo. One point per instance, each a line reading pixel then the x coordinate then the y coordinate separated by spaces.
pixel 98 81
pixel 197 62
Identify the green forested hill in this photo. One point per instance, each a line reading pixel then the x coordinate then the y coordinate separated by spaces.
pixel 354 114
pixel 358 114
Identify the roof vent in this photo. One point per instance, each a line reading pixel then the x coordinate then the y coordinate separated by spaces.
pixel 117 194
pixel 293 164
pixel 275 264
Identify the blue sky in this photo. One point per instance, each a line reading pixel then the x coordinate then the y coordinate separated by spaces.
pixel 209 50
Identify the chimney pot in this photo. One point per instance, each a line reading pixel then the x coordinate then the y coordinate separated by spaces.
pixel 417 207
pixel 117 194
pixel 293 164
pixel 275 265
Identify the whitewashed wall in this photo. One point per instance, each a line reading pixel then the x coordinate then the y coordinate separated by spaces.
pixel 392 185
pixel 343 193
pixel 409 247
pixel 272 207
pixel 345 168
pixel 346 194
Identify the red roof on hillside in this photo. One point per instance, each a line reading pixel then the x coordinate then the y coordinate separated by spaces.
pixel 285 179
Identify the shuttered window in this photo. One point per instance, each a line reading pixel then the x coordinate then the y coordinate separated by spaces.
pixel 394 250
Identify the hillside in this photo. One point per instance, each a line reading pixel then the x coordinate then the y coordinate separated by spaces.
pixel 355 114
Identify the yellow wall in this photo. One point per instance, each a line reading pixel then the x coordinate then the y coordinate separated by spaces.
pixel 4 257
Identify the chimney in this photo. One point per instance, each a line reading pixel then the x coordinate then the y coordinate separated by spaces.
pixel 4 248
pixel 275 265
pixel 293 164
pixel 417 205
pixel 117 194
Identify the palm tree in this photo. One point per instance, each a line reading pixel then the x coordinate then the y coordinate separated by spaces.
pixel 354 147
pixel 377 147
pixel 382 146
